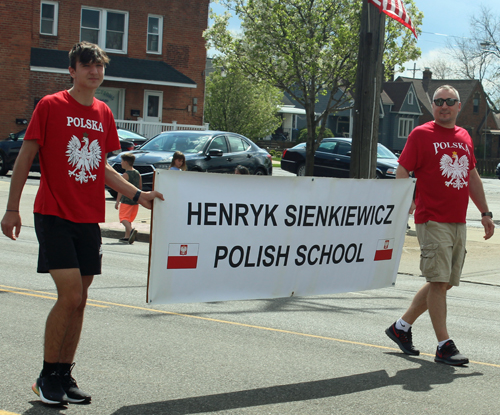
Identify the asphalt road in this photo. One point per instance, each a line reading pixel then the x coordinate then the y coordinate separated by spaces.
pixel 309 355
pixel 312 355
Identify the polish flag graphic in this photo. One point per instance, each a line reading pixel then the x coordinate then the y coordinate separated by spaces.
pixel 384 249
pixel 182 256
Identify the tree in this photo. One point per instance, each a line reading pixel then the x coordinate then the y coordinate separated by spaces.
pixel 306 48
pixel 479 56
pixel 235 103
pixel 441 68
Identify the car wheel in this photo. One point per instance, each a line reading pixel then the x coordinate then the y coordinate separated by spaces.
pixel 3 166
pixel 301 170
pixel 379 175
pixel 113 193
pixel 260 172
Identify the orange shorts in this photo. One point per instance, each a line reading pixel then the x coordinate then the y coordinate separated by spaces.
pixel 127 212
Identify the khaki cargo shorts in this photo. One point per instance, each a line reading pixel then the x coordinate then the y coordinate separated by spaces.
pixel 442 251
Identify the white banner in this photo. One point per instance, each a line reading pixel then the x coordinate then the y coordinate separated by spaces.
pixel 232 237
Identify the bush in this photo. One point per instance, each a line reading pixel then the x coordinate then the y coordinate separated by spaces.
pixel 302 138
pixel 275 154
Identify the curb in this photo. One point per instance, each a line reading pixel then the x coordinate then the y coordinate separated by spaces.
pixel 116 234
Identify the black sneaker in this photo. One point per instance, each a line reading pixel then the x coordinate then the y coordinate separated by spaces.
pixel 73 393
pixel 50 390
pixel 450 355
pixel 132 236
pixel 402 339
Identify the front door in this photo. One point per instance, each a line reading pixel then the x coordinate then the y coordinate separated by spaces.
pixel 153 103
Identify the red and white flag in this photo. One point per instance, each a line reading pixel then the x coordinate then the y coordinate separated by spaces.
pixel 182 256
pixel 384 250
pixel 396 10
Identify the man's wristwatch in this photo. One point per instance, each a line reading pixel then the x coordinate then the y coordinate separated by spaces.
pixel 487 214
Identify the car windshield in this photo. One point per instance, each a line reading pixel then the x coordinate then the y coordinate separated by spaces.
pixel 128 134
pixel 385 153
pixel 186 143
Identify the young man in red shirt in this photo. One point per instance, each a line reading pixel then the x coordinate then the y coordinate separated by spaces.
pixel 72 132
pixel 441 155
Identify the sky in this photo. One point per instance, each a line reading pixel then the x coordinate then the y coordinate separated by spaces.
pixel 444 20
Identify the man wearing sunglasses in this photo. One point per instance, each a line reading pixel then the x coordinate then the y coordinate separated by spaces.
pixel 441 156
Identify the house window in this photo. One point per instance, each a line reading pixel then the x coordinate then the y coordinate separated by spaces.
pixel 475 103
pixel 410 98
pixel 106 28
pixel 405 127
pixel 155 32
pixel 48 18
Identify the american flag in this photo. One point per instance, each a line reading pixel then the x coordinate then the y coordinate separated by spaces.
pixel 396 10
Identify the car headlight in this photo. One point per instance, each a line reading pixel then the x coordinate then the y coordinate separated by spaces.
pixel 391 171
pixel 162 165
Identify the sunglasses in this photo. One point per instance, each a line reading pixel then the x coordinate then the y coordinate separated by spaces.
pixel 449 101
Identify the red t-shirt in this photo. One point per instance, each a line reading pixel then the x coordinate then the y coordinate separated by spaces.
pixel 74 140
pixel 441 159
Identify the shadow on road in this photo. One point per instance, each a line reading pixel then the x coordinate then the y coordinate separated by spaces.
pixel 420 379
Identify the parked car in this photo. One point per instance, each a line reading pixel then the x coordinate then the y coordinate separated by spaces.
pixel 129 140
pixel 333 159
pixel 205 151
pixel 9 149
pixel 498 171
pixel 127 135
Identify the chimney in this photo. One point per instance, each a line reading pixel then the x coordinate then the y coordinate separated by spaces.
pixel 389 75
pixel 427 76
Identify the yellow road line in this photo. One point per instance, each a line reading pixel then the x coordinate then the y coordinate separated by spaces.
pixel 49 296
pixel 7 413
pixel 234 323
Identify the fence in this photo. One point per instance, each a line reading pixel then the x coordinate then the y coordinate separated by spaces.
pixel 150 129
pixel 487 167
pixel 275 145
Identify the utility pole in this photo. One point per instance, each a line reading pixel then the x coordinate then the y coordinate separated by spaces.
pixel 414 70
pixel 367 93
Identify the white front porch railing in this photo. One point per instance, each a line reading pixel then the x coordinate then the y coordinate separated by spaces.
pixel 150 129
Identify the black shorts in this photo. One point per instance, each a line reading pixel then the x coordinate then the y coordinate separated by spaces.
pixel 65 244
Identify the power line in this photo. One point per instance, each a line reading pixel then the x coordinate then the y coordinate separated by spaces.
pixel 445 35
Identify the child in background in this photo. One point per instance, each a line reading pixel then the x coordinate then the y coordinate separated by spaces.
pixel 178 161
pixel 127 207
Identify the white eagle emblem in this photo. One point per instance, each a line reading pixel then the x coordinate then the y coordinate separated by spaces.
pixel 455 168
pixel 85 159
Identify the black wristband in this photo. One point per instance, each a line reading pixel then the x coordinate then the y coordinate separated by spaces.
pixel 487 214
pixel 137 196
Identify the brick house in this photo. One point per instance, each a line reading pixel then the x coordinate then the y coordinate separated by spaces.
pixel 156 48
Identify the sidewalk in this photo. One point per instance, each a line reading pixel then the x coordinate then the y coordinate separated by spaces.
pixel 481 266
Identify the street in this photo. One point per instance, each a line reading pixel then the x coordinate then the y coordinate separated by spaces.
pixel 311 355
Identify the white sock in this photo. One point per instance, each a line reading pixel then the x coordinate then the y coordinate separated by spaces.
pixel 403 325
pixel 441 344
